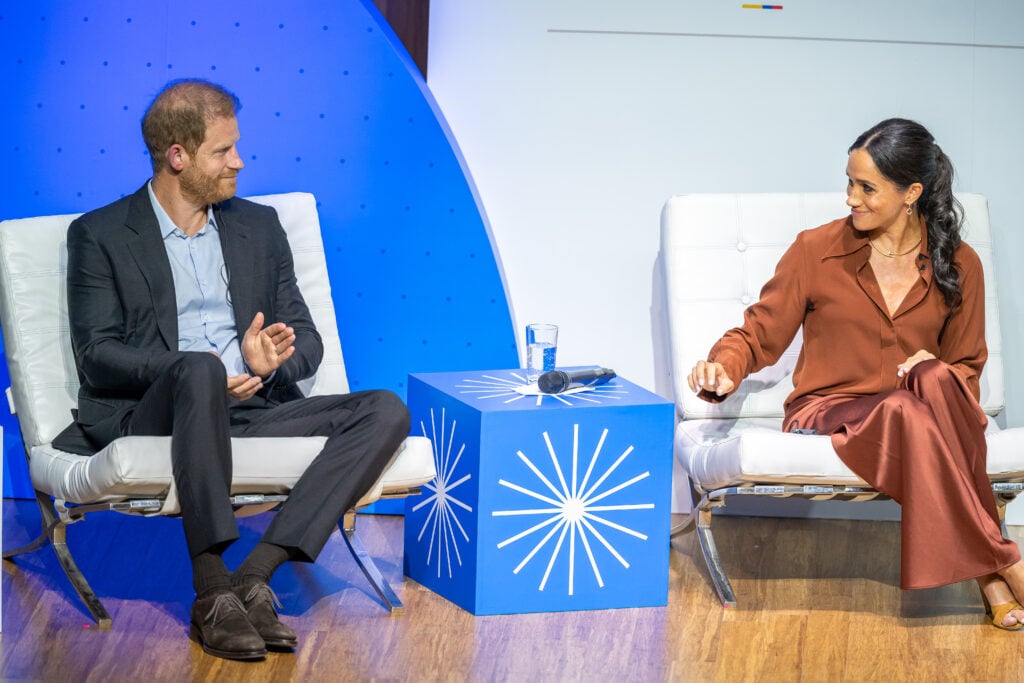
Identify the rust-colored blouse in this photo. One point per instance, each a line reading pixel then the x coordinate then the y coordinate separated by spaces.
pixel 851 345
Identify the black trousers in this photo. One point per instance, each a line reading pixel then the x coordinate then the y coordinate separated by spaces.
pixel 190 403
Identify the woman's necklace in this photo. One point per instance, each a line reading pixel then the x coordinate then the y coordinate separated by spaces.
pixel 891 253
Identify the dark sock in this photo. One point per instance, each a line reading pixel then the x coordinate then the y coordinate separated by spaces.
pixel 209 575
pixel 261 564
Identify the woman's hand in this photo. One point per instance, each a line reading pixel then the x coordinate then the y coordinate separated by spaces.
pixel 903 368
pixel 707 376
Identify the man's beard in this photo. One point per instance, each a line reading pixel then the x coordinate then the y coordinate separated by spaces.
pixel 204 189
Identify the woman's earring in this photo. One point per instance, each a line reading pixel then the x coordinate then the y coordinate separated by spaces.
pixel 910 209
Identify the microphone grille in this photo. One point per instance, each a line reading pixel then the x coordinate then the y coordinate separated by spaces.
pixel 552 382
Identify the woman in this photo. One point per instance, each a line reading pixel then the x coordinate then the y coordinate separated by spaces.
pixel 892 306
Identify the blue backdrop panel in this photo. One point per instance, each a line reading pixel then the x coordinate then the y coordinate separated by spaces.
pixel 331 104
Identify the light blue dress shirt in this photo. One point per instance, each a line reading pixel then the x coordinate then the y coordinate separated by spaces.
pixel 206 321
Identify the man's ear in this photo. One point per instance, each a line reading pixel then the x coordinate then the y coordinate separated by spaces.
pixel 176 157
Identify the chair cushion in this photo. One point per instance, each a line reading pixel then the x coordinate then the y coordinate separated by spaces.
pixel 719 453
pixel 140 466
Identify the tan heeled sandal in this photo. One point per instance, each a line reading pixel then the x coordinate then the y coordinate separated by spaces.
pixel 998 613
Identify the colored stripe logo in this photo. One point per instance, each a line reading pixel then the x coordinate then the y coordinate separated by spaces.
pixel 762 6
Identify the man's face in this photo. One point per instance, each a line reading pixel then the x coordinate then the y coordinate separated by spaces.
pixel 210 176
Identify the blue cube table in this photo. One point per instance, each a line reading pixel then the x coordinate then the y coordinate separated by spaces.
pixel 541 503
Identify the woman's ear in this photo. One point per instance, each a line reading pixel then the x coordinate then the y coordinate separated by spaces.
pixel 913 193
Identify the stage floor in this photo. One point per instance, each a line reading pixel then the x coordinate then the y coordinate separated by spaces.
pixel 818 600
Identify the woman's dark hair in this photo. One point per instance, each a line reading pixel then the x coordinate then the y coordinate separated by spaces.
pixel 905 153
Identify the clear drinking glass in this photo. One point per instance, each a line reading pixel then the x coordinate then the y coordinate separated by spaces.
pixel 541 347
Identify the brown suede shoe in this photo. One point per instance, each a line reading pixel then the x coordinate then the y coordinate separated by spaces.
pixel 260 603
pixel 221 626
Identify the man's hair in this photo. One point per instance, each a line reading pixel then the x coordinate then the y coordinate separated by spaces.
pixel 179 114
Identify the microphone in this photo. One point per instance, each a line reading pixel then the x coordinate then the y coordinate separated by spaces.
pixel 557 381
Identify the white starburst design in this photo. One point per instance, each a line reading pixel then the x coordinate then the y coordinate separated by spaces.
pixel 572 510
pixel 490 386
pixel 442 518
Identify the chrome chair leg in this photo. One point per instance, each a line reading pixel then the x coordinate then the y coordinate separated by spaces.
pixel 684 527
pixel 43 537
pixel 58 538
pixel 700 518
pixel 713 561
pixel 55 531
pixel 38 543
pixel 1001 503
pixel 366 563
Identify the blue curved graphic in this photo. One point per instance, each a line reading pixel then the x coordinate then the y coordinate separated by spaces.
pixel 331 104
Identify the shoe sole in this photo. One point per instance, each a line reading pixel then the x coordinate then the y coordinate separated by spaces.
pixel 245 655
pixel 280 644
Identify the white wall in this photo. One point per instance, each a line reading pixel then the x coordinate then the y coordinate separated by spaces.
pixel 578 119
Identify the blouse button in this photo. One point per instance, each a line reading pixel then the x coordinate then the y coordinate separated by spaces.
pixel 745 300
pixel 741 246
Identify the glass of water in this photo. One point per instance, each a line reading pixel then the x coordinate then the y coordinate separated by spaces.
pixel 541 346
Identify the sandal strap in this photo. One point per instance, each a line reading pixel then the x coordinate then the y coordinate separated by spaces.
pixel 1000 611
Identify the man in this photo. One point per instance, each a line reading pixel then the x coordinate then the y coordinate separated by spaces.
pixel 186 321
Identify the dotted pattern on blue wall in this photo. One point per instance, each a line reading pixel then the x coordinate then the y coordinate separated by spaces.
pixel 331 104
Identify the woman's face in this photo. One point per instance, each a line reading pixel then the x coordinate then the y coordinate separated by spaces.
pixel 875 202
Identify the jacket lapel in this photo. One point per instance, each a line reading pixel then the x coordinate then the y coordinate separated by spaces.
pixel 147 247
pixel 241 265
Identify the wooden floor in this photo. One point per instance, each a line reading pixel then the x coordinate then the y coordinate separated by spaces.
pixel 818 601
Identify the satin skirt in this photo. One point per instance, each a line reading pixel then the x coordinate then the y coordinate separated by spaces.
pixel 923 445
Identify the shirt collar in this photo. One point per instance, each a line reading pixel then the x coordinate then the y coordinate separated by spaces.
pixel 850 240
pixel 167 226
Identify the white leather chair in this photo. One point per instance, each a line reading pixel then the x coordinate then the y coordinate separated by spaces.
pixel 133 474
pixel 717 250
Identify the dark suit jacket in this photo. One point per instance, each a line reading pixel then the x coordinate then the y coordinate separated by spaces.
pixel 121 304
